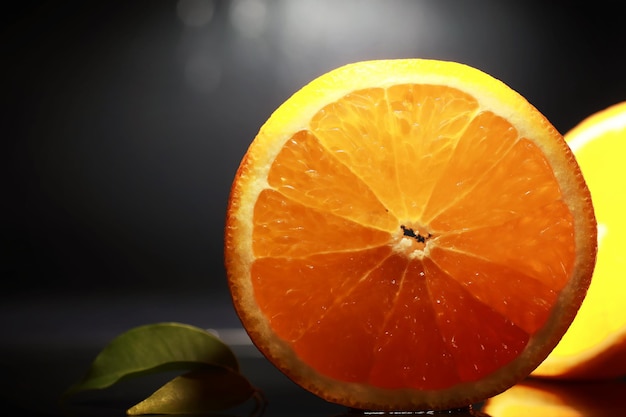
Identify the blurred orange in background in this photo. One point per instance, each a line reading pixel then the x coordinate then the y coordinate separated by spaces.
pixel 542 398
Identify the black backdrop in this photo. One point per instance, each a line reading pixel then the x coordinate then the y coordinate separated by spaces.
pixel 124 122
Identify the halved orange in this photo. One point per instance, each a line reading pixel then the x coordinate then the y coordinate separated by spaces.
pixel 408 235
pixel 594 346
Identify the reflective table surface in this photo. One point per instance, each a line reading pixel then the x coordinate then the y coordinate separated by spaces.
pixel 50 341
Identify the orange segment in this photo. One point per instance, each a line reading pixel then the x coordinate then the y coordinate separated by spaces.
pixel 382 116
pixel 283 227
pixel 302 306
pixel 525 301
pixel 548 228
pixel 489 138
pixel 343 352
pixel 408 234
pixel 530 184
pixel 306 172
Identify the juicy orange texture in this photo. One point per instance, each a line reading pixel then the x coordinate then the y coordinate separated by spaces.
pixel 408 244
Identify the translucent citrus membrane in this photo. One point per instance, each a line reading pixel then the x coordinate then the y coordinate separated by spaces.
pixel 480 203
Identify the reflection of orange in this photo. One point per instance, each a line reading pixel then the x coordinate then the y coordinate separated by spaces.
pixel 595 344
pixel 559 399
pixel 408 234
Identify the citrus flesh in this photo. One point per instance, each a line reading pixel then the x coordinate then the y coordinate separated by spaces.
pixel 595 345
pixel 408 235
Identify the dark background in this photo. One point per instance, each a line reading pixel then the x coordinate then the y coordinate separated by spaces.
pixel 123 124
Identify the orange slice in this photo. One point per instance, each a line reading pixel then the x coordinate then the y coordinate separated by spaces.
pixel 408 235
pixel 595 345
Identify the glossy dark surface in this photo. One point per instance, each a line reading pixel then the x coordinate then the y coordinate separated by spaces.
pixel 48 344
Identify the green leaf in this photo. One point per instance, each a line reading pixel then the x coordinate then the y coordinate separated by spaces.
pixel 155 348
pixel 198 392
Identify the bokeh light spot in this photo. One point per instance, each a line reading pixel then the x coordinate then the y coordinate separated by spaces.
pixel 195 13
pixel 249 17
